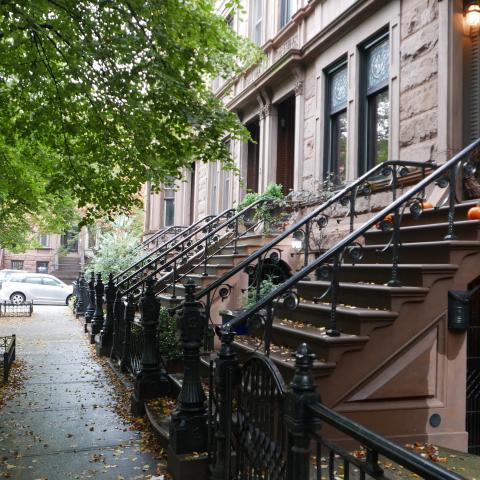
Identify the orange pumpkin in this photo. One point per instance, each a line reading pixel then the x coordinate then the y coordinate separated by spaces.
pixel 474 213
pixel 389 218
pixel 426 205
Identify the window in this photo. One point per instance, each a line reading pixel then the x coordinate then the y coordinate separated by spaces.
pixel 33 280
pixel 257 21
pixel 169 212
pixel 336 124
pixel 42 267
pixel 287 9
pixel 50 282
pixel 229 20
pixel 17 264
pixel 376 101
pixel 44 240
pixel 226 190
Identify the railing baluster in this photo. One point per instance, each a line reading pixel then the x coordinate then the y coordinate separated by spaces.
pixel 394 281
pixel 268 329
pixel 452 195
pixel 333 330
pixel 106 334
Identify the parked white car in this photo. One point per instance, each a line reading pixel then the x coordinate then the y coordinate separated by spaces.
pixel 36 287
pixel 6 273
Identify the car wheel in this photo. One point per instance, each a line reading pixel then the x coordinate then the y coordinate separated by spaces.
pixel 17 298
pixel 67 301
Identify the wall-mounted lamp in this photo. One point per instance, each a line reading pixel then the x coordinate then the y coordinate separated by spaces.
pixel 472 13
pixel 297 241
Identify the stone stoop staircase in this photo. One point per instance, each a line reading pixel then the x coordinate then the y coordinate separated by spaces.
pixel 217 265
pixel 395 353
pixel 68 268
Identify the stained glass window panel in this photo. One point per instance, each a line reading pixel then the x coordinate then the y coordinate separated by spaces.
pixel 338 90
pixel 378 65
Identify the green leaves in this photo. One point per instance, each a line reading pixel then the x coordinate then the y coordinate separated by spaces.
pixel 112 94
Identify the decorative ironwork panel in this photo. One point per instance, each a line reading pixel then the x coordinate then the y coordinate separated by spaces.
pixel 378 65
pixel 260 435
pixel 136 348
pixel 9 309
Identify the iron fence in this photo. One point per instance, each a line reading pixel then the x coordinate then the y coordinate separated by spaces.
pixel 9 309
pixel 7 355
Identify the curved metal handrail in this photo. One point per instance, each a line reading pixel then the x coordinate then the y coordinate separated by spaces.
pixel 349 240
pixel 380 445
pixel 315 213
pixel 227 213
pixel 195 245
pixel 170 243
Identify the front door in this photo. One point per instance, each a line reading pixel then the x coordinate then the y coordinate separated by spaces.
pixel 286 144
pixel 253 160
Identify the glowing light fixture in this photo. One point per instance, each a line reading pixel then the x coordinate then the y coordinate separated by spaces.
pixel 472 13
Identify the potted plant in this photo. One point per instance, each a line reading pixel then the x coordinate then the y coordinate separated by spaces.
pixel 267 285
pixel 268 212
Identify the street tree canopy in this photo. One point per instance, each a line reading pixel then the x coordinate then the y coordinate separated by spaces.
pixel 97 97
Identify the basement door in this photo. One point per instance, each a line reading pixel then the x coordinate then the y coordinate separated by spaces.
pixel 473 375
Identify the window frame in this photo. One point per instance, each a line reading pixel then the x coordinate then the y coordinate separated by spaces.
pixel 331 115
pixel 257 24
pixel 45 264
pixel 367 134
pixel 168 201
pixel 14 262
pixel 46 237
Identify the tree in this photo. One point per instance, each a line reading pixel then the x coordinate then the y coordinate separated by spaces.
pixel 97 97
pixel 118 246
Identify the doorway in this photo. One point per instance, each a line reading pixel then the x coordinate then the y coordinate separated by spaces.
pixel 253 157
pixel 286 144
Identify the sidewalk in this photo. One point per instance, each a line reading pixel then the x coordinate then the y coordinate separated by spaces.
pixel 62 424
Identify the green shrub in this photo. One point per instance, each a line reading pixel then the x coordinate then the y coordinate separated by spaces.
pixel 267 285
pixel 169 344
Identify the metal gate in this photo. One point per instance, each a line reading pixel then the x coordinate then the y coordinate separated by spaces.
pixel 473 375
pixel 259 432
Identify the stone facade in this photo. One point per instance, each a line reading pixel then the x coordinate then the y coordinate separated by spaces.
pixel 425 116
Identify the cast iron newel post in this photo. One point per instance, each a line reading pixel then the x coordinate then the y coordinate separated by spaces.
pixel 81 299
pixel 91 301
pixel 117 334
pixel 97 319
pixel 106 334
pixel 227 378
pixel 152 380
pixel 128 318
pixel 297 419
pixel 75 292
pixel 188 425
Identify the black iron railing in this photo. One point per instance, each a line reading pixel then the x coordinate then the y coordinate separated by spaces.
pixel 9 309
pixel 8 347
pixel 267 260
pixel 259 429
pixel 350 248
pixel 165 247
pixel 222 231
